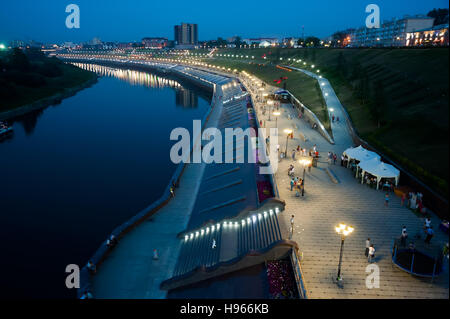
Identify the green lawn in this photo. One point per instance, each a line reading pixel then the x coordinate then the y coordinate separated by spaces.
pixel 303 87
pixel 412 126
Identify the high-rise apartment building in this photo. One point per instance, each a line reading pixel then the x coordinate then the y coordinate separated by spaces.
pixel 186 33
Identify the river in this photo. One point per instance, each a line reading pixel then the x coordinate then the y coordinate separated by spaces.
pixel 72 172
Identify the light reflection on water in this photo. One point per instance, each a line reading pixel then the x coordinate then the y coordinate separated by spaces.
pixel 132 77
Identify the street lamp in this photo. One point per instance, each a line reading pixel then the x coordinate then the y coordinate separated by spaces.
pixel 344 231
pixel 288 132
pixel 270 103
pixel 276 113
pixel 305 162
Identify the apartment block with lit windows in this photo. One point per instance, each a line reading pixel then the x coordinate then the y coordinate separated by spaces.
pixel 435 36
pixel 392 33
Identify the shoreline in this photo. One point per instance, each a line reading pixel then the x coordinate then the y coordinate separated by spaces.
pixel 48 101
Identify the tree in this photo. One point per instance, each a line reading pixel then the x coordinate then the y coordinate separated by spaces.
pixel 221 41
pixel 238 41
pixel 440 16
pixel 312 41
pixel 338 38
pixel 18 60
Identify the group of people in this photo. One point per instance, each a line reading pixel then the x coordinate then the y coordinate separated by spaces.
pixel 428 230
pixel 415 201
pixel 333 118
pixel 297 184
pixel 332 157
pixel 370 251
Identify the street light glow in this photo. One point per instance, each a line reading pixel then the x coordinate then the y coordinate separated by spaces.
pixel 344 230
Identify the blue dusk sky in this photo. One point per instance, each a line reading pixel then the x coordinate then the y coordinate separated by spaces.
pixel 131 20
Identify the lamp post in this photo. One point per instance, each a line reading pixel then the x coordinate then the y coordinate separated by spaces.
pixel 276 113
pixel 305 162
pixel 288 132
pixel 344 231
pixel 269 102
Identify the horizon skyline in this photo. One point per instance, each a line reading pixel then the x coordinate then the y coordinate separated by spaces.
pixel 51 29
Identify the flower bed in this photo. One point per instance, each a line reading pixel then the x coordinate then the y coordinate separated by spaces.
pixel 281 280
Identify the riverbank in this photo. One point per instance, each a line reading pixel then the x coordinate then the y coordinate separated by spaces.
pixel 29 80
pixel 47 101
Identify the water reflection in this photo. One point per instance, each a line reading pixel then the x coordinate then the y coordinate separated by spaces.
pixel 184 97
pixel 132 77
pixel 28 121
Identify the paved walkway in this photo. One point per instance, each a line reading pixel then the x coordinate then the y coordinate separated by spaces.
pixel 129 271
pixel 327 204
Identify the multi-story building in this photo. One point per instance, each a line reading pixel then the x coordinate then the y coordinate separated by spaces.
pixel 186 33
pixel 435 36
pixel 259 41
pixel 155 43
pixel 390 33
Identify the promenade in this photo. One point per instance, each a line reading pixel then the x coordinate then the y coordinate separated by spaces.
pixel 327 204
pixel 129 271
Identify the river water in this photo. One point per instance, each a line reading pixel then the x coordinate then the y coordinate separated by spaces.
pixel 74 171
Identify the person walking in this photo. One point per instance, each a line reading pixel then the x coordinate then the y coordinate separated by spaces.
pixel 291 229
pixel 386 199
pixel 371 253
pixel 403 236
pixel 430 234
pixel 366 252
pixel 403 199
pixel 293 155
pixel 334 158
pixel 302 186
pixel 427 223
pixel 292 183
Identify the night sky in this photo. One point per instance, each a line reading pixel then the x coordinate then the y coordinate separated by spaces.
pixel 131 20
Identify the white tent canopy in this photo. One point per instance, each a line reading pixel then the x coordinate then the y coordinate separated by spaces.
pixel 379 170
pixel 360 154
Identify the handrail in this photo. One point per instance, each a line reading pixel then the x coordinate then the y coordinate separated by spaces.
pixel 102 252
pixel 301 287
pixel 165 285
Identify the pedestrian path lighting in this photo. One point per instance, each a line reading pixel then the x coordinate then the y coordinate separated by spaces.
pixel 269 103
pixel 288 132
pixel 344 231
pixel 276 113
pixel 305 162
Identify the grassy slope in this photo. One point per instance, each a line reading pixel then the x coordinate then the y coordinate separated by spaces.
pixel 300 85
pixel 416 89
pixel 71 77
